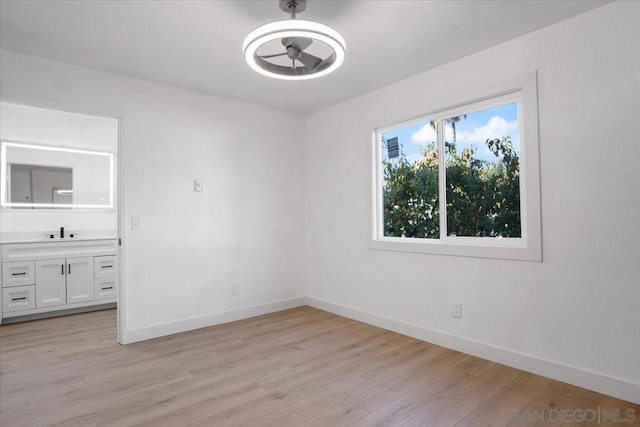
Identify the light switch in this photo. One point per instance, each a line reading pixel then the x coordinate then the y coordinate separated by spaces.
pixel 198 185
pixel 135 223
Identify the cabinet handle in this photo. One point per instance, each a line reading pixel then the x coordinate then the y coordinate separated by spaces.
pixel 110 287
pixel 62 269
pixel 69 268
pixel 18 274
pixel 18 299
pixel 107 266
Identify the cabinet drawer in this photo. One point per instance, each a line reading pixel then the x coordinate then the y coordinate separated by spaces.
pixel 105 266
pixel 106 288
pixel 18 273
pixel 18 298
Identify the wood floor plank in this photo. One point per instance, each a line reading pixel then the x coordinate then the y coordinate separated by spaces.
pixel 555 395
pixel 503 407
pixel 304 379
pixel 407 405
pixel 353 376
pixel 296 367
pixel 460 398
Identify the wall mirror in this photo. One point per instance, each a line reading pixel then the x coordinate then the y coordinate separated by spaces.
pixel 46 176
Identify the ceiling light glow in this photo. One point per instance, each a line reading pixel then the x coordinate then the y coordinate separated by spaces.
pixel 294 30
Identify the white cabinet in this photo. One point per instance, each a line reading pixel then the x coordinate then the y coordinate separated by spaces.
pixel 51 288
pixel 43 277
pixel 79 279
pixel 64 281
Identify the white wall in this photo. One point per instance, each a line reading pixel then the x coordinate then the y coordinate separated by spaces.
pixel 579 307
pixel 246 227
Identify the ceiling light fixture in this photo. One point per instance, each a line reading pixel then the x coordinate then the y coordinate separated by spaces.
pixel 296 36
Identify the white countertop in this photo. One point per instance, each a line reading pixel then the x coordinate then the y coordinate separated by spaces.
pixel 55 240
pixel 43 236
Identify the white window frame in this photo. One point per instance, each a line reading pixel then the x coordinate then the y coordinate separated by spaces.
pixel 522 90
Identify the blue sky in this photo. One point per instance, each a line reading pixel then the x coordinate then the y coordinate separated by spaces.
pixel 474 130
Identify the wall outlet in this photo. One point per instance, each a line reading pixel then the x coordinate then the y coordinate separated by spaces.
pixel 198 185
pixel 235 289
pixel 456 309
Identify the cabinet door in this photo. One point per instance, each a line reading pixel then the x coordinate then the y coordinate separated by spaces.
pixel 50 283
pixel 80 286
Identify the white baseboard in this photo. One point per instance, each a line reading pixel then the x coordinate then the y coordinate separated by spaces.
pixel 163 329
pixel 616 387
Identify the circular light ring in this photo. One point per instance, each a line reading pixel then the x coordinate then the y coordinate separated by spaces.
pixel 293 28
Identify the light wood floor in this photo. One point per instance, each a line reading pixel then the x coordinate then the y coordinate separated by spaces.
pixel 300 367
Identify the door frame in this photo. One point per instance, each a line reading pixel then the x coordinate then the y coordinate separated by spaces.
pixel 68 105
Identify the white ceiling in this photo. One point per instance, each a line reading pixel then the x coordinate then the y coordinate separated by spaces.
pixel 198 44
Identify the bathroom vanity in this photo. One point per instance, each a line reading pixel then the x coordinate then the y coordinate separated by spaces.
pixel 41 277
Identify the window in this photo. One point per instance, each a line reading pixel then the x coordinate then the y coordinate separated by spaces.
pixel 463 180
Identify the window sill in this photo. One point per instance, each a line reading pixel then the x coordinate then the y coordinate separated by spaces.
pixel 505 249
